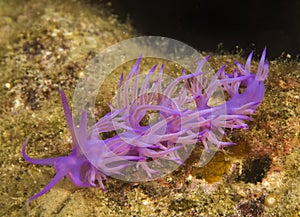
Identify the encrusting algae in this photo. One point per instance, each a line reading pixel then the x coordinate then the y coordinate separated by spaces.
pixel 48 44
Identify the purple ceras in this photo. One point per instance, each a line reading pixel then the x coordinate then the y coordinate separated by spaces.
pixel 183 120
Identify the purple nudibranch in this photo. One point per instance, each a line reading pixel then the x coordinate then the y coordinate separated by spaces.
pixel 183 120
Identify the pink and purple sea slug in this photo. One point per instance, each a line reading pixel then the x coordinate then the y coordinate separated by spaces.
pixel 183 120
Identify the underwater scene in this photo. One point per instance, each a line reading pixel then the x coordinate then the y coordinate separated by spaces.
pixel 114 108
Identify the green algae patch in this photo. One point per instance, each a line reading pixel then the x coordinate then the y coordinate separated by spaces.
pixel 214 170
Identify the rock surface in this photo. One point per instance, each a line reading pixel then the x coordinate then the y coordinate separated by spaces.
pixel 47 44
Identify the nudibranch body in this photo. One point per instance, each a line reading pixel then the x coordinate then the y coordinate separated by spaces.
pixel 183 120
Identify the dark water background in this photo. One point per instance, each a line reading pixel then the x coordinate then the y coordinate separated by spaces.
pixel 205 24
